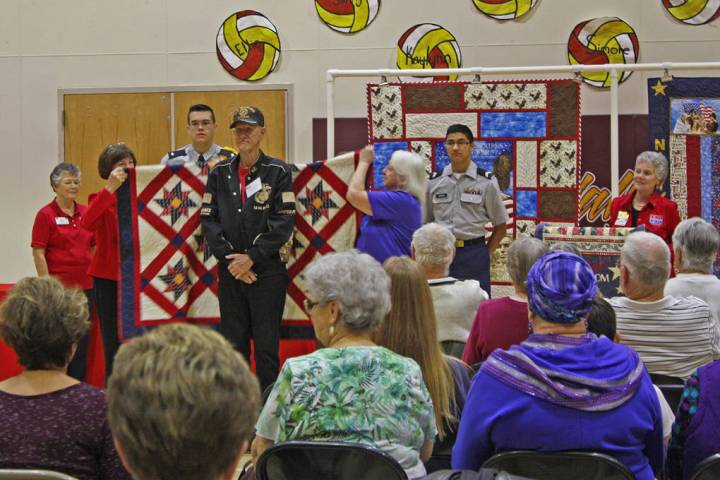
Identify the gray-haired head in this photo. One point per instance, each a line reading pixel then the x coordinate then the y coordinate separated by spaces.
pixel 698 241
pixel 411 170
pixel 657 160
pixel 647 257
pixel 62 170
pixel 521 256
pixel 357 282
pixel 434 247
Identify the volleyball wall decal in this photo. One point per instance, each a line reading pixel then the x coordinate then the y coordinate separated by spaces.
pixel 693 12
pixel 504 9
pixel 425 46
pixel 248 46
pixel 599 41
pixel 347 16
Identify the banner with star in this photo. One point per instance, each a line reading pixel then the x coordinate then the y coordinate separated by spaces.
pixel 683 126
pixel 167 272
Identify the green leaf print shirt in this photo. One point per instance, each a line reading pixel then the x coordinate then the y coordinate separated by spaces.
pixel 356 394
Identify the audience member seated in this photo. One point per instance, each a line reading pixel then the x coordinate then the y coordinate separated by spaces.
pixel 502 322
pixel 674 336
pixel 562 388
pixel 50 420
pixel 695 433
pixel 410 330
pixel 696 244
pixel 181 404
pixel 353 390
pixel 455 301
pixel 601 321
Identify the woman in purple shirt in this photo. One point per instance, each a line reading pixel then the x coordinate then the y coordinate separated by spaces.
pixel 393 214
pixel 50 420
pixel 562 388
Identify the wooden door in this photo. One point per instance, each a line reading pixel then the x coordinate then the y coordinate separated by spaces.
pixel 92 121
pixel 223 103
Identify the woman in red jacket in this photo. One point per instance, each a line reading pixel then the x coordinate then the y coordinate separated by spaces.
pixel 644 205
pixel 101 218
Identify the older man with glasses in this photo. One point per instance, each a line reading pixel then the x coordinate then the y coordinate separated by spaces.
pixel 202 151
pixel 464 198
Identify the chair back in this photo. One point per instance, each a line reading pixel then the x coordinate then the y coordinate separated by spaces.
pixel 560 465
pixel 300 460
pixel 19 474
pixel 671 388
pixel 708 469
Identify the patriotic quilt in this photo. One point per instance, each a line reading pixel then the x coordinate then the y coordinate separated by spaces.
pixel 167 272
pixel 600 246
pixel 683 125
pixel 526 132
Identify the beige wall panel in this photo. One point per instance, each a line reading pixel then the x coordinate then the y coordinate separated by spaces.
pixel 95 120
pixel 271 102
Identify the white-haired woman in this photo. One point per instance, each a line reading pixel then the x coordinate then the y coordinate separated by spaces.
pixel 392 214
pixel 61 247
pixel 644 205
pixel 352 390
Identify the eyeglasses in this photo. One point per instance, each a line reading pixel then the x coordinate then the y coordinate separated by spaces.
pixel 309 304
pixel 459 143
pixel 195 124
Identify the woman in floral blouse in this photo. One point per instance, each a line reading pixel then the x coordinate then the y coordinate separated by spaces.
pixel 352 390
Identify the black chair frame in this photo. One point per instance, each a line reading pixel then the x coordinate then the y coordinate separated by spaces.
pixel 562 465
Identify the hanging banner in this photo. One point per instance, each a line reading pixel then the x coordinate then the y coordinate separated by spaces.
pixel 600 41
pixel 347 16
pixel 693 12
pixel 428 45
pixel 248 46
pixel 504 9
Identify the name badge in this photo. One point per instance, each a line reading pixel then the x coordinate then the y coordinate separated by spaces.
pixel 622 219
pixel 253 188
pixel 470 197
pixel 62 221
pixel 656 219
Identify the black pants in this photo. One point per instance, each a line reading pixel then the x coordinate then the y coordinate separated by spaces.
pixel 78 365
pixel 106 298
pixel 254 312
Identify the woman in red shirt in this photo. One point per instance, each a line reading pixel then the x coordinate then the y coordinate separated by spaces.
pixel 644 205
pixel 101 218
pixel 61 248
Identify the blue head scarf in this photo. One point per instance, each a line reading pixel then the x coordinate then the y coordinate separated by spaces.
pixel 561 287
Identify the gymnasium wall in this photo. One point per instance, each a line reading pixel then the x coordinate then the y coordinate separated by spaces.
pixel 49 45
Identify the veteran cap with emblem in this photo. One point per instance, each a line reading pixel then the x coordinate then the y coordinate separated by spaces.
pixel 248 115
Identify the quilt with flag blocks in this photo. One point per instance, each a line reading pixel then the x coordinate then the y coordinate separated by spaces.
pixel 526 132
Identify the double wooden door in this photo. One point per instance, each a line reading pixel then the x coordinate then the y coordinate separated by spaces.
pixel 145 122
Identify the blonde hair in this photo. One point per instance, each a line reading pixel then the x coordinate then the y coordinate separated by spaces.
pixel 181 403
pixel 412 311
pixel 42 321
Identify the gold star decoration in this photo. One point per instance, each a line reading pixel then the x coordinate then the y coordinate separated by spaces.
pixel 615 271
pixel 659 88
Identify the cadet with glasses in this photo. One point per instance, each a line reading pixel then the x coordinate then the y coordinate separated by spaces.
pixel 202 151
pixel 464 198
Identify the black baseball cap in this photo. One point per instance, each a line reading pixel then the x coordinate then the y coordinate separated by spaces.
pixel 248 115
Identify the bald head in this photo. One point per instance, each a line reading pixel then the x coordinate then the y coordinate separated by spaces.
pixel 647 259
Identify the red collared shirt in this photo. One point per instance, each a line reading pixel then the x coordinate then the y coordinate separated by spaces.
pixel 101 219
pixel 660 215
pixel 67 246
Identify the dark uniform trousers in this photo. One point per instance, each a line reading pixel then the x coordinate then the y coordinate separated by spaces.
pixel 472 262
pixel 254 311
pixel 78 365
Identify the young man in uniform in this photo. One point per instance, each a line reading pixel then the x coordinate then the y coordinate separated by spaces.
pixel 248 214
pixel 202 151
pixel 463 198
